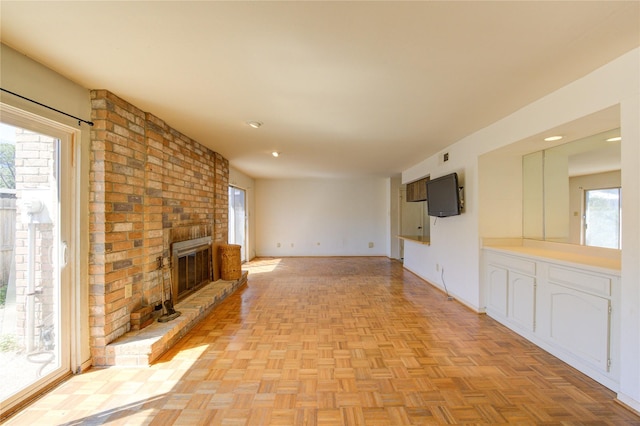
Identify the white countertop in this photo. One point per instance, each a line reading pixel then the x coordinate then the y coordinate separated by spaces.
pixel 570 255
pixel 416 239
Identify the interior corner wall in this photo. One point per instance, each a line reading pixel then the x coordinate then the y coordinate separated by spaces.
pixel 28 78
pixel 321 217
pixel 243 181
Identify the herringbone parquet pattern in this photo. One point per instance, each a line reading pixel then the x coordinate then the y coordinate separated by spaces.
pixel 337 341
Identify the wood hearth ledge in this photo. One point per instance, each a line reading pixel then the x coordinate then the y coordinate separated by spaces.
pixel 142 347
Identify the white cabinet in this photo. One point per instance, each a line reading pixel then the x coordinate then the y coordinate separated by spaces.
pixel 575 313
pixel 565 309
pixel 579 323
pixel 511 290
pixel 498 284
pixel 522 292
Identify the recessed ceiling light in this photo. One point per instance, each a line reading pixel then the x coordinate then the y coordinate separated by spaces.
pixel 254 124
pixel 275 153
pixel 552 138
pixel 616 139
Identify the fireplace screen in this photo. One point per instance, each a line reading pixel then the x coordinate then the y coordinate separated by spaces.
pixel 192 265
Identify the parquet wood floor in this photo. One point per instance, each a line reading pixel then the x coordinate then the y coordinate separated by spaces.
pixel 337 341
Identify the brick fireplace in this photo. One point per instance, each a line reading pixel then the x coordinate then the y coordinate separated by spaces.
pixel 150 188
pixel 191 266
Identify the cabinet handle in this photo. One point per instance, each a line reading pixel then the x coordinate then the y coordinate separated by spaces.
pixel 63 254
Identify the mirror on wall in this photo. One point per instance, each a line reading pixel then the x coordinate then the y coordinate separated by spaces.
pixel 571 192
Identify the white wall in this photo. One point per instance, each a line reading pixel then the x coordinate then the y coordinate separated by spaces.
pixel 242 181
pixel 394 217
pixel 630 295
pixel 314 217
pixel 32 80
pixel 455 242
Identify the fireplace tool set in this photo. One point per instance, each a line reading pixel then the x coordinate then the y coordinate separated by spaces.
pixel 169 312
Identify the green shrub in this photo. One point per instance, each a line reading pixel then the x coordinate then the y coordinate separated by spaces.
pixel 8 343
pixel 3 295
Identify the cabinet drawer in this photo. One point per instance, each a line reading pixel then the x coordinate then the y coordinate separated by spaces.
pixel 596 284
pixel 513 263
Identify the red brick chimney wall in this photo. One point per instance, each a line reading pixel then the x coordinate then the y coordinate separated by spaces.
pixel 150 186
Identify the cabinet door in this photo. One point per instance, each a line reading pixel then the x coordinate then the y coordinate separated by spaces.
pixel 411 192
pixel 522 300
pixel 580 323
pixel 497 290
pixel 417 191
pixel 422 189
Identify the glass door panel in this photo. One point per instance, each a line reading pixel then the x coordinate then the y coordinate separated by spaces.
pixel 34 345
pixel 237 219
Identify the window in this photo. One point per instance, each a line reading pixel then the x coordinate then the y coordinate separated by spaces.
pixel 602 218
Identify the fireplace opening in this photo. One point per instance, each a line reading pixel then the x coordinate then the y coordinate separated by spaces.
pixel 192 267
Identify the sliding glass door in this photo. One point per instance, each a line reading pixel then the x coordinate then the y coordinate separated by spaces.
pixel 35 275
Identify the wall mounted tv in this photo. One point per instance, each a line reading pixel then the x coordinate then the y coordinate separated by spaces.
pixel 443 196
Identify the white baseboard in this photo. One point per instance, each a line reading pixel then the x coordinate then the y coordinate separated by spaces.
pixel 629 403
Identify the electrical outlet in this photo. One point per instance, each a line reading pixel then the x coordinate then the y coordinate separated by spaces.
pixel 291 244
pixel 128 290
pixel 445 157
pixel 278 245
pixel 371 245
pixel 437 267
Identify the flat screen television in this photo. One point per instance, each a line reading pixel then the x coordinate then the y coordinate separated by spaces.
pixel 443 196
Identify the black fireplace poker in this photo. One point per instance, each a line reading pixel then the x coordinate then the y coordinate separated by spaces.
pixel 169 312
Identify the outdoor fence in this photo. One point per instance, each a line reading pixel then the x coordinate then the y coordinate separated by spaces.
pixel 7 237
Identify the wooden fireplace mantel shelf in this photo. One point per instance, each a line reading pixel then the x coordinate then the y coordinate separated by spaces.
pixel 142 347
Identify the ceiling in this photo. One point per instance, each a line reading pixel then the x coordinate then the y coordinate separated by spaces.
pixel 343 89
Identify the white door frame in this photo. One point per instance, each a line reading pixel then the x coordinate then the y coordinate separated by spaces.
pixel 69 325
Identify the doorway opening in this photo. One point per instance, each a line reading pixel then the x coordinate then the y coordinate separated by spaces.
pixel 238 220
